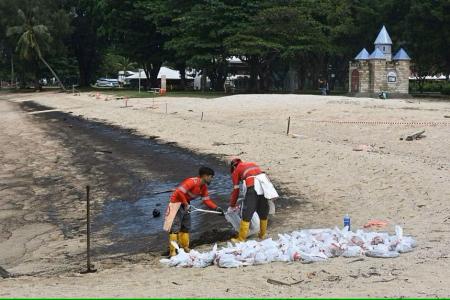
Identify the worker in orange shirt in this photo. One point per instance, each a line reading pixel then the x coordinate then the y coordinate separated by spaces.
pixel 179 207
pixel 246 172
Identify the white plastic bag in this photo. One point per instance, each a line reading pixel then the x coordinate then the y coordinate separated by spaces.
pixel 382 251
pixel 400 243
pixel 271 207
pixel 234 216
pixel 182 259
pixel 225 260
pixel 313 256
pixel 352 251
pixel 306 246
pixel 202 260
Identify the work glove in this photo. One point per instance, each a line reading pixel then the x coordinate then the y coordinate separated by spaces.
pixel 219 209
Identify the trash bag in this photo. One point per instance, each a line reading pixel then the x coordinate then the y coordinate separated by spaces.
pixel 381 250
pixel 228 261
pixel 400 243
pixel 182 259
pixel 305 246
pixel 313 256
pixel 382 254
pixel 261 258
pixel 234 216
pixel 352 251
pixel 202 260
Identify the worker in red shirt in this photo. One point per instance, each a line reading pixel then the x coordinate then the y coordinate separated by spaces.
pixel 188 190
pixel 246 172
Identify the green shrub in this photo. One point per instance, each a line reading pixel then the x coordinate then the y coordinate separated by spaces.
pixel 430 87
pixel 446 89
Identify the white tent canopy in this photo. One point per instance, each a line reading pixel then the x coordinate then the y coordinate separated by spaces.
pixel 435 77
pixel 169 73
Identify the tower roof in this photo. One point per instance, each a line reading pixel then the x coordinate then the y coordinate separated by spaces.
pixel 377 54
pixel 383 37
pixel 401 55
pixel 362 55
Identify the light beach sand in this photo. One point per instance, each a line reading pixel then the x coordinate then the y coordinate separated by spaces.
pixel 403 182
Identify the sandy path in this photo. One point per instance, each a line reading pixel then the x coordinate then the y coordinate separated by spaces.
pixel 407 183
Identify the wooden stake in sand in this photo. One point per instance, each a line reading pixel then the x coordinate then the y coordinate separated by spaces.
pixel 201 117
pixel 89 267
pixel 288 125
pixel 166 108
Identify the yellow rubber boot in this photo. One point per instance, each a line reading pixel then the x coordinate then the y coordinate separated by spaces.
pixel 243 232
pixel 173 237
pixel 183 237
pixel 262 228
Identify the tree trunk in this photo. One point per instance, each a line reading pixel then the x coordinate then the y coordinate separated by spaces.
pixel 220 75
pixel 203 80
pixel 146 81
pixel 183 79
pixel 154 74
pixel 253 63
pixel 84 81
pixel 302 77
pixel 53 72
pixel 12 69
pixel 36 82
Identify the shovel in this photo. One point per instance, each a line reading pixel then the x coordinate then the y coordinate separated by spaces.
pixel 172 190
pixel 195 209
pixel 163 192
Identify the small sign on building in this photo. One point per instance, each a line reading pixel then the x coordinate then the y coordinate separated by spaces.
pixel 392 76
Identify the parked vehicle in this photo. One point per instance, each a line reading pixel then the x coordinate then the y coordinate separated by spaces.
pixel 107 82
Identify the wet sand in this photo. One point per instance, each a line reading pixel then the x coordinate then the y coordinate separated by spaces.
pixel 124 171
pixel 406 183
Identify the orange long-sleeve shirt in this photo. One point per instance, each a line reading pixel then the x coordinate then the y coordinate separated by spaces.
pixel 244 171
pixel 192 188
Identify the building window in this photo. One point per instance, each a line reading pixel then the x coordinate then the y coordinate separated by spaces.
pixel 392 76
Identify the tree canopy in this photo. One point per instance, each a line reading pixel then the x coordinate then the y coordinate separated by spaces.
pixel 81 39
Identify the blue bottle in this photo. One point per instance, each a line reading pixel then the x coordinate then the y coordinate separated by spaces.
pixel 347 221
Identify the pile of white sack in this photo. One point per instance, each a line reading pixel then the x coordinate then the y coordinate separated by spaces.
pixel 306 246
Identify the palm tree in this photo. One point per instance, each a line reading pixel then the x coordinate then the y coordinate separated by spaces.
pixel 32 37
pixel 124 64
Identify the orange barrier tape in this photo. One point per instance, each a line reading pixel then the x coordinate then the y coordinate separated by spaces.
pixel 378 122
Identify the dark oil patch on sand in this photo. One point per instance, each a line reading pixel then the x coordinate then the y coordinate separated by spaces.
pixel 128 169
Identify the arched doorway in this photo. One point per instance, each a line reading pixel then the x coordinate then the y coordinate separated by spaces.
pixel 355 81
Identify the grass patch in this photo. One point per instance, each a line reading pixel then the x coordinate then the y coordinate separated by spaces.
pixel 14 90
pixel 120 92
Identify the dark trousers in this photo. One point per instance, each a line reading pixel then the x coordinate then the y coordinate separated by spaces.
pixel 182 221
pixel 254 202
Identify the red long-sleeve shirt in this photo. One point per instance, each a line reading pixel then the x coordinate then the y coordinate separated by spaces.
pixel 244 171
pixel 192 188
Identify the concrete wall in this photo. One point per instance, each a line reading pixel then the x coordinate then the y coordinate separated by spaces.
pixel 364 77
pixel 351 66
pixel 403 72
pixel 401 69
pixel 373 76
pixel 392 87
pixel 363 68
pixel 377 75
